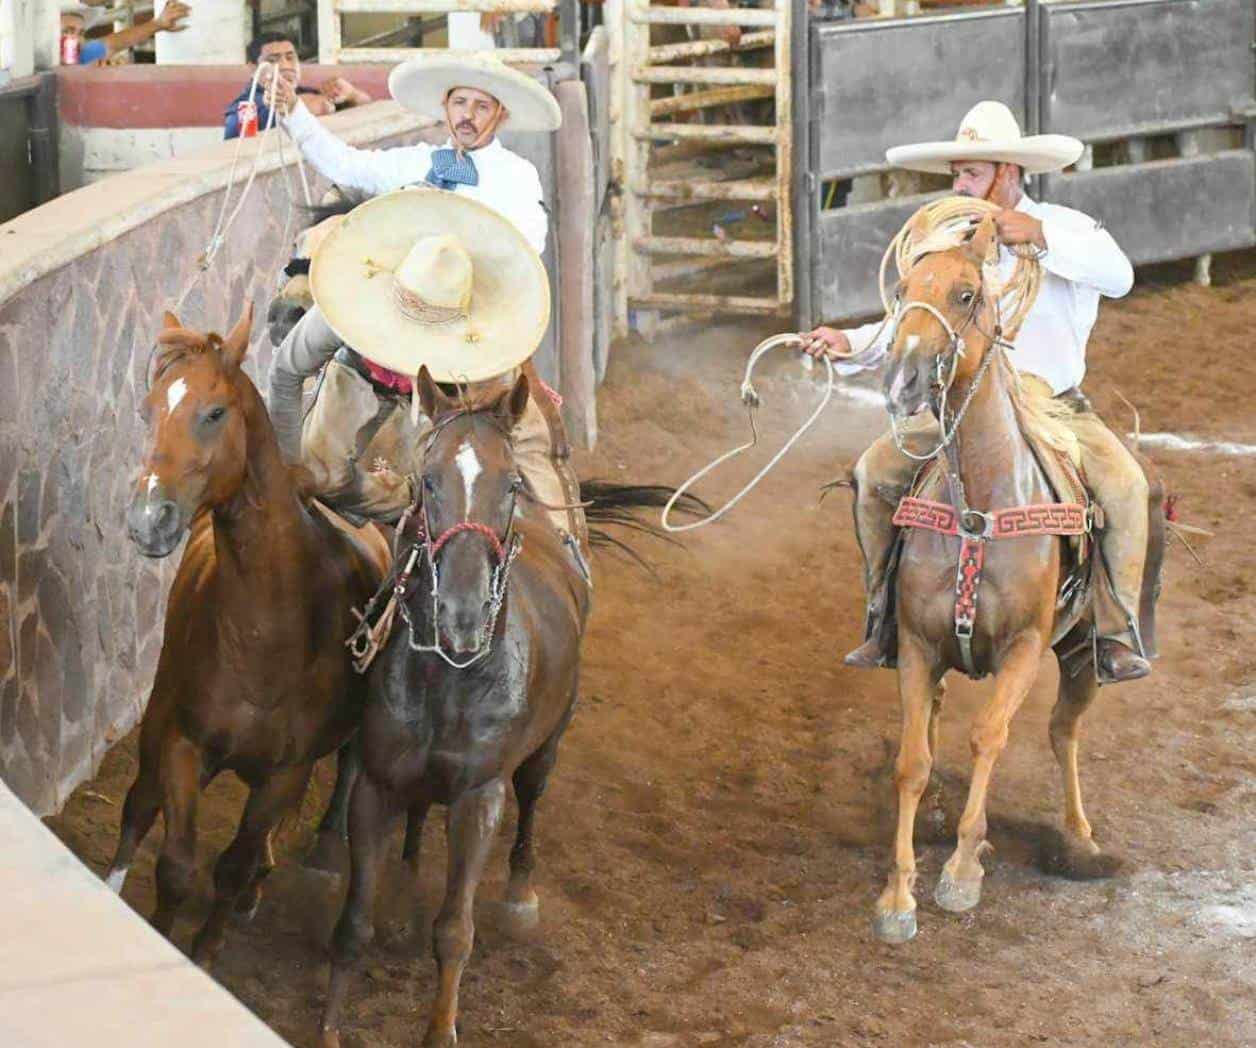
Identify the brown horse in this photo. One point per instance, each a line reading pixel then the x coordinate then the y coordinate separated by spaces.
pixel 253 676
pixel 989 465
pixel 476 685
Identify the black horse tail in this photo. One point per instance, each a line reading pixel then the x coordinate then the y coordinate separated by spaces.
pixel 614 505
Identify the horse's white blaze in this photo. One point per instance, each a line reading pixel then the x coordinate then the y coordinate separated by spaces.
pixel 116 879
pixel 152 486
pixel 912 342
pixel 177 391
pixel 468 464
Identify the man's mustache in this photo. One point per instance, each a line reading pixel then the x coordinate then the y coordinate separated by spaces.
pixel 466 125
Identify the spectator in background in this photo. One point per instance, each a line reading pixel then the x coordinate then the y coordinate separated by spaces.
pixel 281 52
pixel 77 18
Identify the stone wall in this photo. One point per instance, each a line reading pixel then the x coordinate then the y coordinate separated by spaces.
pixel 83 283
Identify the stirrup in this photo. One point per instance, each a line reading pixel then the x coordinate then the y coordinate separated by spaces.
pixel 1116 662
pixel 868 656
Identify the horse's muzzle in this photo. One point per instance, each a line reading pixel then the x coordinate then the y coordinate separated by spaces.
pixel 462 626
pixel 154 525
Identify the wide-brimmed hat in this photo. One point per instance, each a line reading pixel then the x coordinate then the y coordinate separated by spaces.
pixel 990 132
pixel 421 84
pixel 423 276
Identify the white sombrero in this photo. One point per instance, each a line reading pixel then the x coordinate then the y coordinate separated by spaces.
pixel 421 84
pixel 990 132
pixel 421 276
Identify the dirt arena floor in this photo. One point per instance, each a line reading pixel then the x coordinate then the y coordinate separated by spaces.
pixel 717 828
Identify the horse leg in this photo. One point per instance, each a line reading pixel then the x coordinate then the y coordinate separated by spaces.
pixel 895 920
pixel 472 823
pixel 181 766
pixel 959 887
pixel 333 831
pixel 143 802
pixel 529 780
pixel 409 894
pixel 1074 854
pixel 245 863
pixel 933 802
pixel 371 810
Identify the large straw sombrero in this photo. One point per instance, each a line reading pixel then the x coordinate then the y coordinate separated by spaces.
pixel 422 276
pixel 421 84
pixel 990 132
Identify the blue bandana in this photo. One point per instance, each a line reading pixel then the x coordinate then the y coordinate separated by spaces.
pixel 449 169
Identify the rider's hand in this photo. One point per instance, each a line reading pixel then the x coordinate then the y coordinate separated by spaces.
pixel 1016 227
pixel 171 14
pixel 281 95
pixel 341 92
pixel 825 342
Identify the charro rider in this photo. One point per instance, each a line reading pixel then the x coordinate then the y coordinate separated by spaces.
pixel 473 304
pixel 989 159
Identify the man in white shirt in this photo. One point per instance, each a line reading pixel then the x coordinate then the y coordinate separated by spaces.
pixel 356 438
pixel 1080 262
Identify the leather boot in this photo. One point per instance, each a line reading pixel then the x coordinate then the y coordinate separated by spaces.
pixel 1119 662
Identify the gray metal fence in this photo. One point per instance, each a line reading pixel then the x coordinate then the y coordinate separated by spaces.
pixel 1103 70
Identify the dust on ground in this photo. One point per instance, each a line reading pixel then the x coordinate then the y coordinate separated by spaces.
pixel 718 825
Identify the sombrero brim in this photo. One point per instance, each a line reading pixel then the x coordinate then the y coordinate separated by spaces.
pixel 421 84
pixel 1037 154
pixel 352 284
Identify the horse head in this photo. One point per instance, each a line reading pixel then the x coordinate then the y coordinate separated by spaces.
pixel 196 446
pixel 943 325
pixel 470 489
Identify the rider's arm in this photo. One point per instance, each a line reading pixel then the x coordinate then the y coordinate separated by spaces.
pixel 372 171
pixel 869 344
pixel 1081 250
pixel 302 354
pixel 529 215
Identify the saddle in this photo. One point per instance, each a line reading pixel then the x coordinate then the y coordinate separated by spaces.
pixel 1074 517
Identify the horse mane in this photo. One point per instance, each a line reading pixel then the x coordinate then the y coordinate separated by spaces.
pixel 1043 418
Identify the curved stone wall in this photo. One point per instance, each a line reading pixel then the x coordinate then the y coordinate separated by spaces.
pixel 83 283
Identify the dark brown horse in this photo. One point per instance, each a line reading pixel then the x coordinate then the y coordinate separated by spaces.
pixel 253 676
pixel 475 687
pixel 1020 615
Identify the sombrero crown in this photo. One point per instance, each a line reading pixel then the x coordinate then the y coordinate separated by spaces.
pixel 990 132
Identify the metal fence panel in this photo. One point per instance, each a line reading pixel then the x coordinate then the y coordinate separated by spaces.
pixel 1111 68
pixel 1169 209
pixel 877 84
pixel 595 71
pixel 851 241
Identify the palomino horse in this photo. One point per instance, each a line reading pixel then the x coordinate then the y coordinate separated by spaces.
pixel 947 325
pixel 475 686
pixel 253 675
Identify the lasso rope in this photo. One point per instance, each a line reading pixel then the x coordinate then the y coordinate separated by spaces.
pixel 944 224
pixel 224 223
pixel 938 226
pixel 751 399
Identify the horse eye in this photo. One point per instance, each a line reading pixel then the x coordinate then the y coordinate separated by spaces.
pixel 215 414
pixel 429 485
pixel 966 297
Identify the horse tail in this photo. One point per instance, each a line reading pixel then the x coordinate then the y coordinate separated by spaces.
pixel 613 504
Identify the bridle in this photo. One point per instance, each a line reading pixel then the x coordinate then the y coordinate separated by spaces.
pixel 505 549
pixel 945 366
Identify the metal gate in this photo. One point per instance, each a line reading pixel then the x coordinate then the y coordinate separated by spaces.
pixel 1156 75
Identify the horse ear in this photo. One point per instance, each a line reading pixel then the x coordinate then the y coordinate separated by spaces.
pixel 236 344
pixel 982 239
pixel 431 399
pixel 516 404
pixel 169 320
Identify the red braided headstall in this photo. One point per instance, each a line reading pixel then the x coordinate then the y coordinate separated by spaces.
pixel 469 525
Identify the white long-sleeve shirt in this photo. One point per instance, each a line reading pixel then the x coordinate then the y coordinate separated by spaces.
pixel 1081 262
pixel 508 183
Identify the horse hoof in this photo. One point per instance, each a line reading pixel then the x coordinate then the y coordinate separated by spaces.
pixel 440 1040
pixel 524 915
pixel 246 911
pixel 329 1039
pixel 957 896
pixel 895 928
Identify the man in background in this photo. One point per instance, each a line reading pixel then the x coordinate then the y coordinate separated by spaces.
pixel 281 53
pixel 77 18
